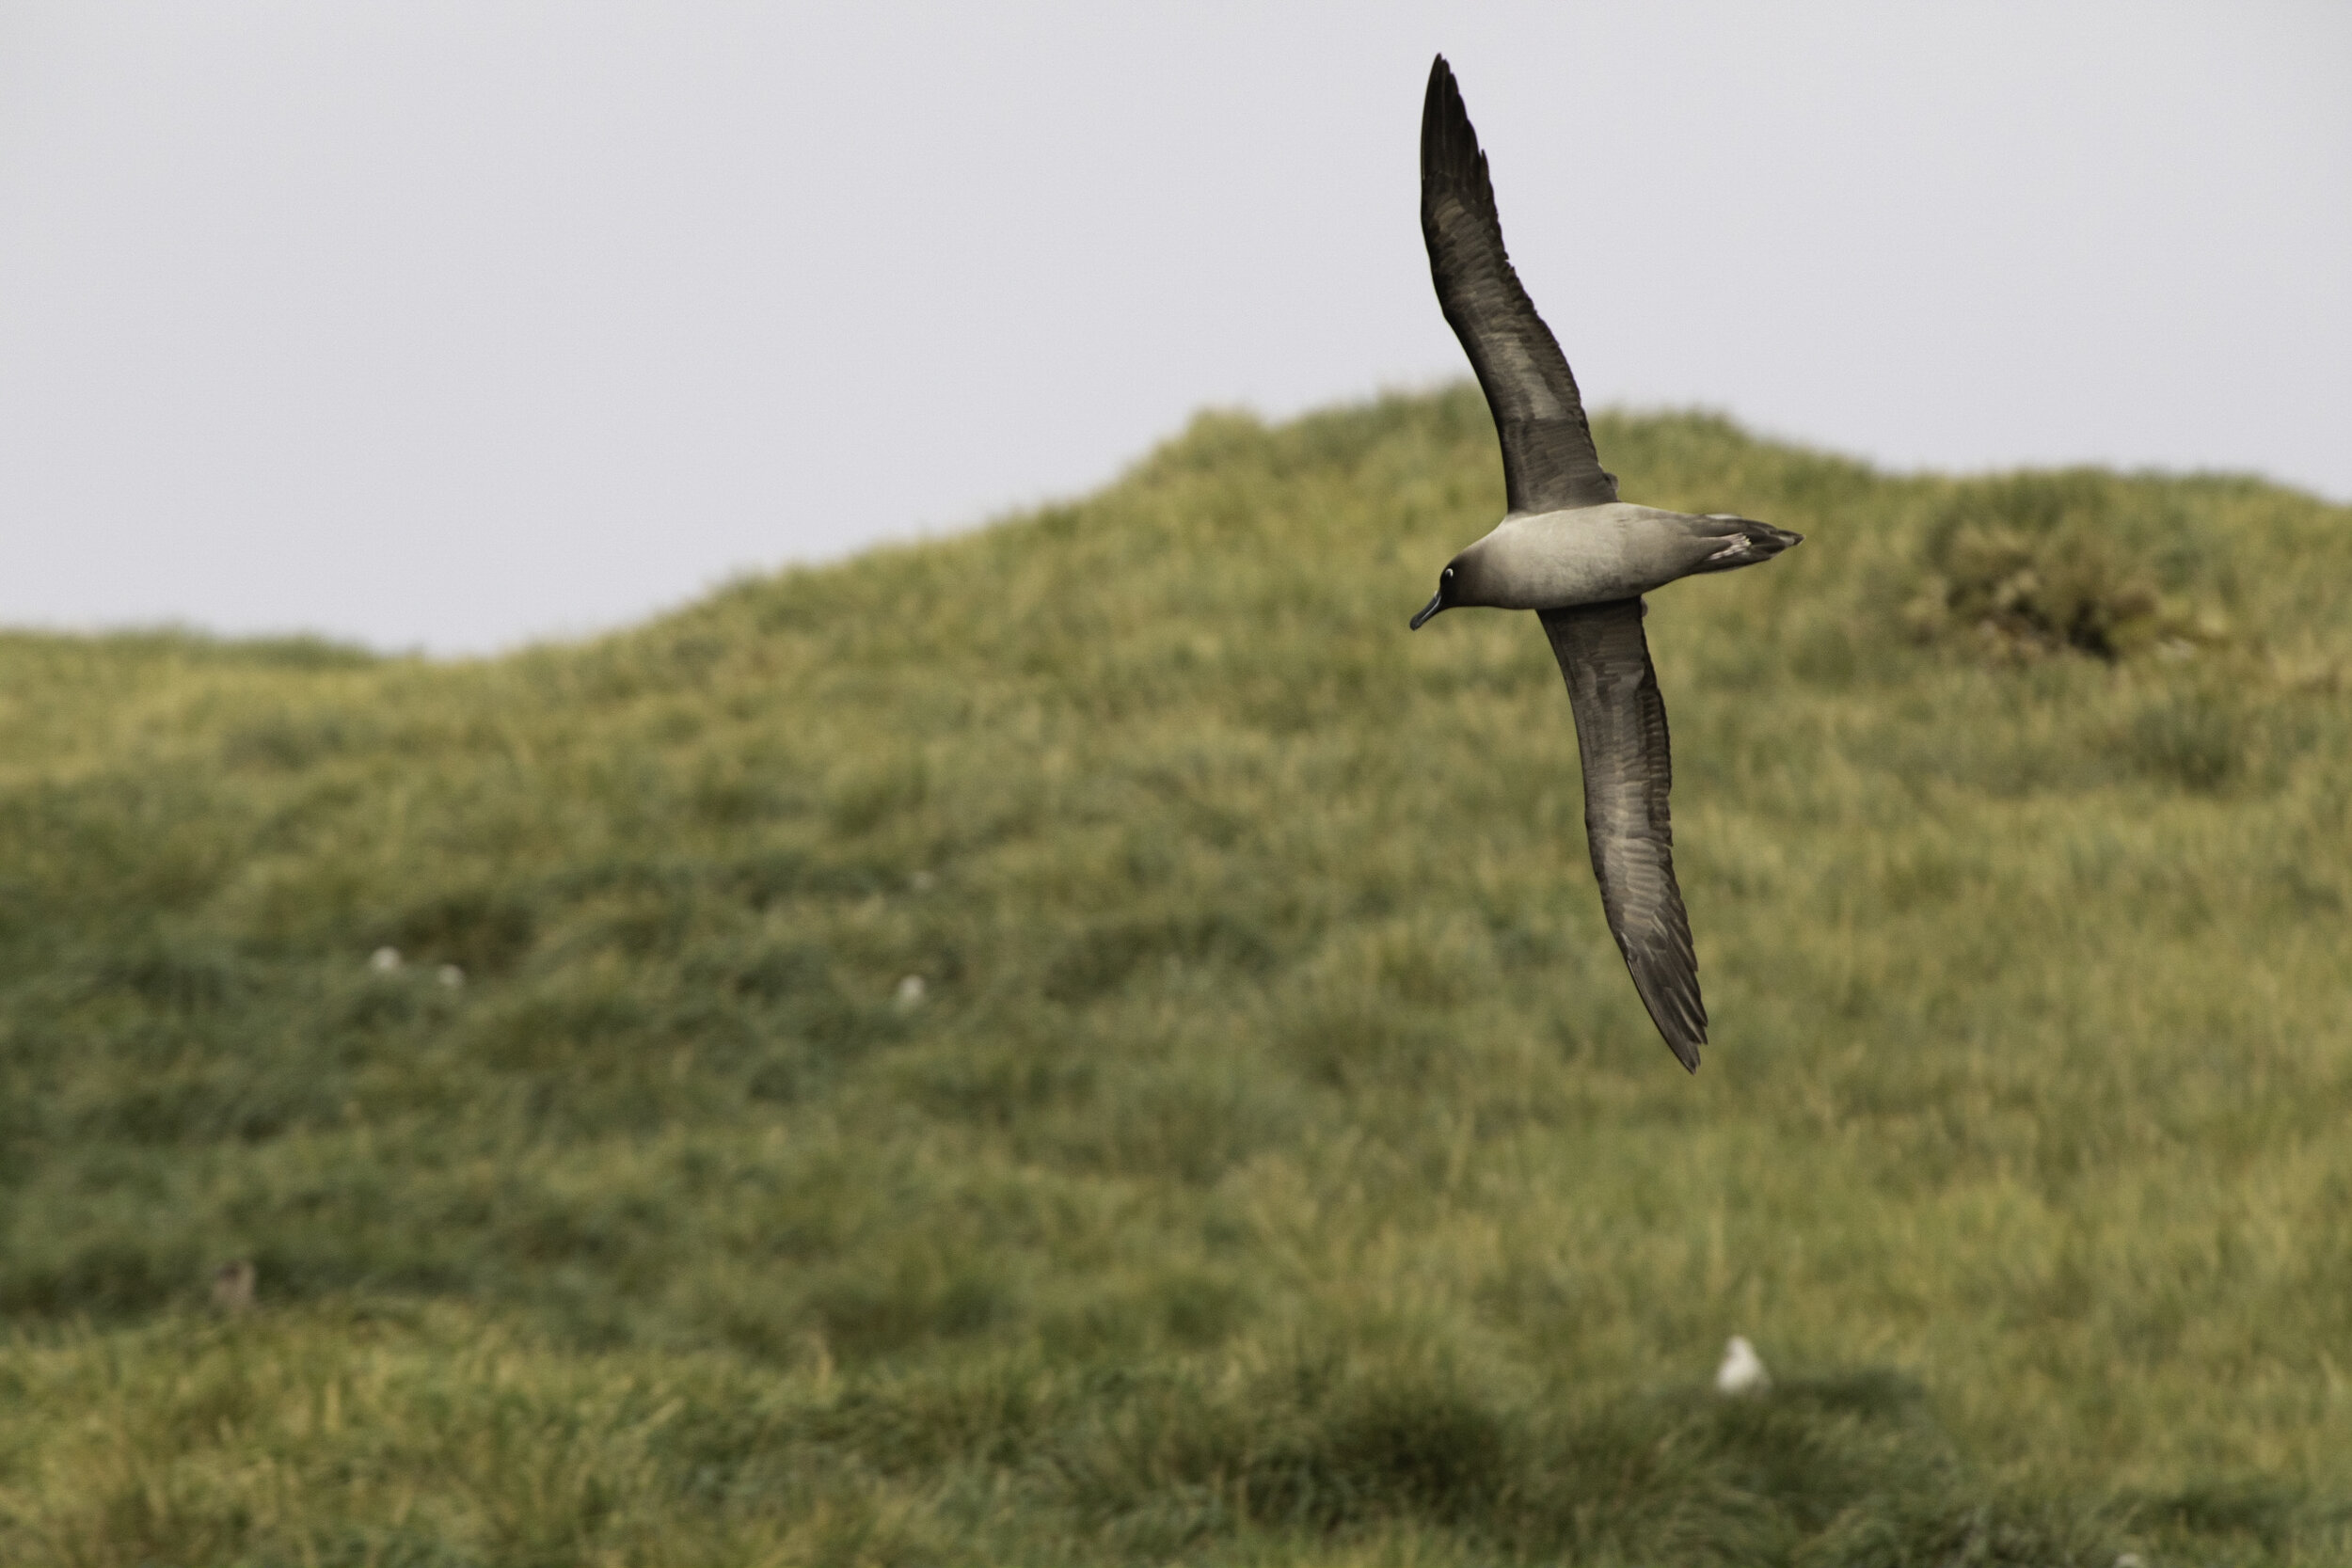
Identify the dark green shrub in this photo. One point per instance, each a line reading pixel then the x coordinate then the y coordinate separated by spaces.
pixel 2076 561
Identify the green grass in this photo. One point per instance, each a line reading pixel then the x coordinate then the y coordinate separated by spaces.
pixel 1278 1166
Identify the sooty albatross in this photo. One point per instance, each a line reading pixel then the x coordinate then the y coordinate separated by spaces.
pixel 1580 558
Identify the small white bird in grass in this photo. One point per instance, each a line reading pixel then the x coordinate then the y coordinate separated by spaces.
pixel 1742 1371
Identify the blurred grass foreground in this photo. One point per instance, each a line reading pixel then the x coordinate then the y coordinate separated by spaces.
pixel 1087 1043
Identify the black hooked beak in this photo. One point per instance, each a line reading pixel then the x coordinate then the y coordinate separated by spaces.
pixel 1437 602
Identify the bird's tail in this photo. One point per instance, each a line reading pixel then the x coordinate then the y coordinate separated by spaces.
pixel 1747 542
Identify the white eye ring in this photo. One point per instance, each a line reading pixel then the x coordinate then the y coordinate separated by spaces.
pixel 1449 573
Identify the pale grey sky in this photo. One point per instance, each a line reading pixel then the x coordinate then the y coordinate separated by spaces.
pixel 454 325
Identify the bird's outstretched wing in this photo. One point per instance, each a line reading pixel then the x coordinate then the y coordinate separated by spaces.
pixel 1621 735
pixel 1549 463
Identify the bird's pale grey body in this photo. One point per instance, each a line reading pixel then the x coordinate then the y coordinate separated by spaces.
pixel 1579 556
pixel 1594 554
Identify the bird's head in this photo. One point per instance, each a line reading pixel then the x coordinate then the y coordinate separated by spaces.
pixel 1449 592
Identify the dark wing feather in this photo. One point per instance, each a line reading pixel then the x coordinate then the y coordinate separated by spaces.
pixel 1621 735
pixel 1549 463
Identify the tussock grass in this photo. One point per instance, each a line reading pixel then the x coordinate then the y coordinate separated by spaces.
pixel 1275 1164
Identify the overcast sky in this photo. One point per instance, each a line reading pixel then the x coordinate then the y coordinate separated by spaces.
pixel 449 325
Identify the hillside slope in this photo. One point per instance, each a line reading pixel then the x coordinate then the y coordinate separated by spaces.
pixel 1276 1163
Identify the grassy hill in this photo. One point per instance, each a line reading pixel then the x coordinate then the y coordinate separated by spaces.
pixel 1276 1163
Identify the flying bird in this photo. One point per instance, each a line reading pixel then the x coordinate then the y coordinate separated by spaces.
pixel 1568 549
